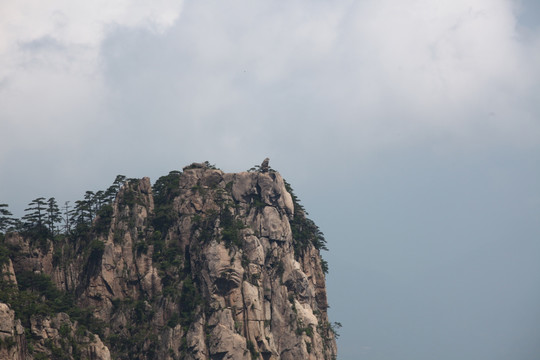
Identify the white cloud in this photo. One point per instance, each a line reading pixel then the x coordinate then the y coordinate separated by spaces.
pixel 80 22
pixel 441 63
pixel 351 75
pixel 50 80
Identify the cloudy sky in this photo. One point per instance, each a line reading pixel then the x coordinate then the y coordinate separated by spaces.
pixel 410 129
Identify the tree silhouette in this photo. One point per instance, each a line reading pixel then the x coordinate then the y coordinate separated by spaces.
pixel 53 215
pixel 36 213
pixel 111 192
pixel 5 218
pixel 90 204
pixel 67 217
pixel 34 222
pixel 81 213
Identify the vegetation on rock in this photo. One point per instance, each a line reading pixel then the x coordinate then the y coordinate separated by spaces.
pixel 202 264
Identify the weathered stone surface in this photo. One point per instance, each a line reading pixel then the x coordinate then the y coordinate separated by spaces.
pixel 96 350
pixel 272 225
pixel 12 339
pixel 7 273
pixel 7 321
pixel 46 335
pixel 225 343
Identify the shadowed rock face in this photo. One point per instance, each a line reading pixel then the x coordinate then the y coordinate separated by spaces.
pixel 202 266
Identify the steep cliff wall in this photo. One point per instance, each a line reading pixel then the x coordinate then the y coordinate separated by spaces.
pixel 203 265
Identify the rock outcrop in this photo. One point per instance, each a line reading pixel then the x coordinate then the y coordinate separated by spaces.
pixel 12 340
pixel 203 265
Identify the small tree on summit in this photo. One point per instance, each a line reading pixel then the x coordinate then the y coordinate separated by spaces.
pixel 81 213
pixel 34 222
pixel 36 216
pixel 66 217
pixel 99 200
pixel 53 215
pixel 90 202
pixel 111 192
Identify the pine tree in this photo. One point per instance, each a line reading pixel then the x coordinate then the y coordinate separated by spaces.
pixel 79 214
pixel 111 192
pixel 35 221
pixel 53 215
pixel 99 200
pixel 5 218
pixel 90 204
pixel 67 217
pixel 36 216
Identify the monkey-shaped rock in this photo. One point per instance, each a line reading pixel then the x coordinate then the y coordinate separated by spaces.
pixel 264 165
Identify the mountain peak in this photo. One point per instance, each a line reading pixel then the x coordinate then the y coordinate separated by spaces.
pixel 201 265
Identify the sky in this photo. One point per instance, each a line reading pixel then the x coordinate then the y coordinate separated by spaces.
pixel 410 130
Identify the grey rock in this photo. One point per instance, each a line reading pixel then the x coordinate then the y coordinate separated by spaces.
pixel 264 166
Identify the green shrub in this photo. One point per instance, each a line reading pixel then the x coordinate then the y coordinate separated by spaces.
pixel 173 320
pixel 64 330
pixel 190 299
pixel 165 190
pixel 251 348
pixel 324 266
pixel 97 247
pixel 141 247
pixel 37 295
pixel 104 219
pixel 230 228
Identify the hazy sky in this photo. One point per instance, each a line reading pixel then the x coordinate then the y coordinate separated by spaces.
pixel 410 129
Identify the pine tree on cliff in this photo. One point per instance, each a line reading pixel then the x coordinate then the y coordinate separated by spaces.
pixel 90 201
pixel 54 215
pixel 111 192
pixel 66 217
pixel 5 217
pixel 35 218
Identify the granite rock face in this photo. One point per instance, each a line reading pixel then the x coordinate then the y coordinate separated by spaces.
pixel 202 265
pixel 50 337
pixel 11 335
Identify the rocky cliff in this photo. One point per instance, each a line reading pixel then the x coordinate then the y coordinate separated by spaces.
pixel 201 265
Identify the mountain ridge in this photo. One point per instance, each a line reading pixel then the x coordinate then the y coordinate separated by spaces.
pixel 201 265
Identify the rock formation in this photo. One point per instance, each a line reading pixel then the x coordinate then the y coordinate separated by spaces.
pixel 203 265
pixel 265 165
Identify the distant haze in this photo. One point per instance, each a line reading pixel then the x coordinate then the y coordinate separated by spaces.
pixel 410 130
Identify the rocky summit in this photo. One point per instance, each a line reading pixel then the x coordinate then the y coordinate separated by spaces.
pixel 201 265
